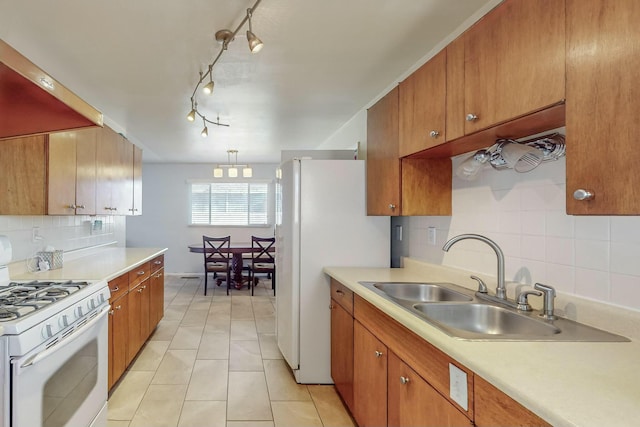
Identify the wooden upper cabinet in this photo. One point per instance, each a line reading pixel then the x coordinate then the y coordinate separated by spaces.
pixel 422 107
pixel 106 161
pixel 72 172
pixel 383 165
pixel 23 169
pixel 514 62
pixel 401 186
pixel 61 198
pixel 115 174
pixel 86 146
pixel 603 100
pixel 137 181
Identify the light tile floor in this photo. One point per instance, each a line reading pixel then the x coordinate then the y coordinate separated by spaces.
pixel 213 361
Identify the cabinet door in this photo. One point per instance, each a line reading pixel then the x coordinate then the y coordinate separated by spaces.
pixel 494 408
pixel 514 62
pixel 369 378
pixel 156 303
pixel 603 100
pixel 137 181
pixel 106 161
pixel 422 107
pixel 118 339
pixel 342 352
pixel 413 402
pixel 86 146
pixel 122 191
pixel 138 299
pixel 23 169
pixel 61 195
pixel 383 165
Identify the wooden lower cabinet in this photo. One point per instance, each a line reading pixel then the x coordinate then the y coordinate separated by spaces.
pixel 342 352
pixel 118 338
pixel 413 402
pixel 138 319
pixel 369 378
pixel 399 379
pixel 494 408
pixel 156 298
pixel 137 306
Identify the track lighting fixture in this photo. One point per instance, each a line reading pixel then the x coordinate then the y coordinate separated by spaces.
pixel 521 156
pixel 232 167
pixel 224 37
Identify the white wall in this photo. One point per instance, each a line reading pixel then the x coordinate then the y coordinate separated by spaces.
pixel 61 232
pixel 165 214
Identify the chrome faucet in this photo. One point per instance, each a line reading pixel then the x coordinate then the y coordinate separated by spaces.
pixel 501 290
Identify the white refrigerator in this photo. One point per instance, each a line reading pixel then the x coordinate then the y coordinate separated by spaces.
pixel 320 221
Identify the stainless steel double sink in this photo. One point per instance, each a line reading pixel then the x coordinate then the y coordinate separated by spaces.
pixel 456 311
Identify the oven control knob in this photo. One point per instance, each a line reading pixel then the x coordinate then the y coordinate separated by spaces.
pixel 91 304
pixel 101 299
pixel 78 312
pixel 47 331
pixel 64 321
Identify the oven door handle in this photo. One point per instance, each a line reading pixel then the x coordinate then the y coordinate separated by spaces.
pixel 71 338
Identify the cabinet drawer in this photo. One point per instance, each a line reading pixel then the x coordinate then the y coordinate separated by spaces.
pixel 342 295
pixel 157 263
pixel 429 362
pixel 119 286
pixel 138 275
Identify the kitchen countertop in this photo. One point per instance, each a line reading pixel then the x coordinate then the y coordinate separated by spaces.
pixel 100 264
pixel 565 383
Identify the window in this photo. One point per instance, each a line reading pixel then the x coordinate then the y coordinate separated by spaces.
pixel 230 203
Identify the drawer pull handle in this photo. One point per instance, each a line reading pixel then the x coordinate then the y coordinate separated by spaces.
pixel 140 273
pixel 116 289
pixel 157 262
pixel 339 292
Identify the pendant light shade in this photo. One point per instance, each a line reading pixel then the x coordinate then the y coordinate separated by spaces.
pixel 232 167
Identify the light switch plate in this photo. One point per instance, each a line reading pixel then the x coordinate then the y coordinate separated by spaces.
pixel 431 236
pixel 458 386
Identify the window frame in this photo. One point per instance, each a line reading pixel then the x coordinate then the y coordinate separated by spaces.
pixel 270 201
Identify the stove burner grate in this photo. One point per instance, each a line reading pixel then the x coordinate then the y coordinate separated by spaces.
pixel 7 315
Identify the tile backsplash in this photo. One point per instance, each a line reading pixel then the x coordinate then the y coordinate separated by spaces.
pixel 596 257
pixel 60 232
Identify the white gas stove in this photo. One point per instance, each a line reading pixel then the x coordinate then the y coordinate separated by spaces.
pixel 53 351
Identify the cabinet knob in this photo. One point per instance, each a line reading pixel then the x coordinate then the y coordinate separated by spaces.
pixel 404 380
pixel 471 117
pixel 157 262
pixel 378 353
pixel 434 134
pixel 118 307
pixel 116 289
pixel 140 273
pixel 111 312
pixel 330 306
pixel 80 207
pixel 392 206
pixel 72 206
pixel 582 194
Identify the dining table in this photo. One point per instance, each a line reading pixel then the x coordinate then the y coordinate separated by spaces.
pixel 237 250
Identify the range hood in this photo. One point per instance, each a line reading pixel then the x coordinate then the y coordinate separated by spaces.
pixel 32 102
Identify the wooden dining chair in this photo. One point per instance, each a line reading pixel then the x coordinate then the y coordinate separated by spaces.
pixel 217 259
pixel 262 261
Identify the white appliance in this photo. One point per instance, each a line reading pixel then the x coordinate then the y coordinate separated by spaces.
pixel 53 351
pixel 320 221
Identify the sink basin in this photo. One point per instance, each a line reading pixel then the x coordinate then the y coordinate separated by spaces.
pixel 423 292
pixel 472 320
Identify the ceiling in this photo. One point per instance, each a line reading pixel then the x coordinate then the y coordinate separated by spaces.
pixel 138 62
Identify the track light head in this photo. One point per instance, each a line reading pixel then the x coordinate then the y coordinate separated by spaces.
pixel 208 88
pixel 255 44
pixel 205 132
pixel 192 115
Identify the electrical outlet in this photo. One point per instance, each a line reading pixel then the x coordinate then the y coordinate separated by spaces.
pixel 431 236
pixel 458 386
pixel 35 234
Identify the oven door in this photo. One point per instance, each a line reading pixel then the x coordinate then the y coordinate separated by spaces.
pixel 65 384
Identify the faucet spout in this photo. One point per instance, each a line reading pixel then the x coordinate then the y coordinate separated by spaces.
pixel 501 290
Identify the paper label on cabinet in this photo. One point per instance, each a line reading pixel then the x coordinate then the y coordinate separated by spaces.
pixel 458 386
